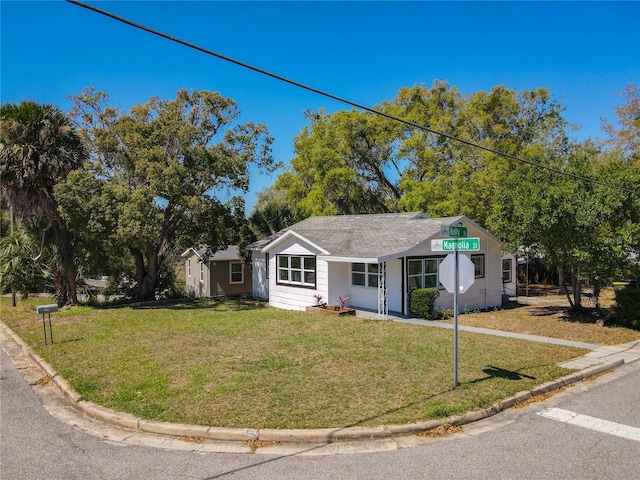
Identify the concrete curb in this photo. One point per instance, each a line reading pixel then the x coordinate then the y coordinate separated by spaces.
pixel 310 436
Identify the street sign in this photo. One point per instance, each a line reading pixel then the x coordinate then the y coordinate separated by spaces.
pixel 454 231
pixel 447 273
pixel 461 244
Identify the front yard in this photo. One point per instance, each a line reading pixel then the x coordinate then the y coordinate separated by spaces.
pixel 242 364
pixel 548 316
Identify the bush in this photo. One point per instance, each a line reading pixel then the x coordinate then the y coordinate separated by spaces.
pixel 627 307
pixel 422 302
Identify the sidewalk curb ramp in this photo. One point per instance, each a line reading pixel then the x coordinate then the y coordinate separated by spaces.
pixel 91 410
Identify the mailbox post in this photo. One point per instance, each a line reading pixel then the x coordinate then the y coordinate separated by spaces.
pixel 47 309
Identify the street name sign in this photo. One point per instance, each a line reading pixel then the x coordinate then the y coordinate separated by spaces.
pixel 461 244
pixel 454 231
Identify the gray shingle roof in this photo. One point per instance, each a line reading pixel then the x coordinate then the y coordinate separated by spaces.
pixel 228 253
pixel 366 236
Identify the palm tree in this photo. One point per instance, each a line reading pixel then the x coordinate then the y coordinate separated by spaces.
pixel 38 148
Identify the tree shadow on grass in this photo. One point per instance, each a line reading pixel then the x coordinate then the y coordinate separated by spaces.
pixel 226 304
pixel 497 372
pixel 547 310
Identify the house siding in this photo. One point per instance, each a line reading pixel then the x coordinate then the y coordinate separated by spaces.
pixel 193 284
pixel 291 297
pixel 486 292
pixel 220 279
pixel 395 285
pixel 259 276
pixel 333 274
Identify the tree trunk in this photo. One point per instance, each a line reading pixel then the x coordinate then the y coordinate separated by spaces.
pixel 147 267
pixel 597 288
pixel 62 290
pixel 577 288
pixel 72 294
pixel 560 274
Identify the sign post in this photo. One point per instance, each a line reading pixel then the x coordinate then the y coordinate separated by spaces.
pixel 44 309
pixel 455 323
pixel 462 278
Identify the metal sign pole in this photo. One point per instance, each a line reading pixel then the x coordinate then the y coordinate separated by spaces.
pixel 455 321
pixel 44 329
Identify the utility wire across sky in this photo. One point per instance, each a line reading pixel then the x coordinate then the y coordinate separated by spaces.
pixel 346 101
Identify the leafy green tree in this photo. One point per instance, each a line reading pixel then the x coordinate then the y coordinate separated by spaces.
pixel 39 147
pixel 627 138
pixel 353 162
pixel 26 264
pixel 591 228
pixel 446 177
pixel 271 214
pixel 160 173
pixel 344 164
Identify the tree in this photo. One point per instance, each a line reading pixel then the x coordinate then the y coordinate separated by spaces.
pixel 592 229
pixel 353 162
pixel 446 177
pixel 345 164
pixel 26 264
pixel 38 149
pixel 271 214
pixel 160 170
pixel 627 138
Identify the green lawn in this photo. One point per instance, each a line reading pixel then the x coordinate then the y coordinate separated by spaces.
pixel 243 364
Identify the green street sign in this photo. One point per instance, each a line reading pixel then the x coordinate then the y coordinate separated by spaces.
pixel 460 232
pixel 461 244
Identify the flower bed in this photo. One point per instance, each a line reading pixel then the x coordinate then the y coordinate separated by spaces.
pixel 333 310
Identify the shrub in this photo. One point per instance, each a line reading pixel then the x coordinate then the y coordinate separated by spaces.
pixel 627 307
pixel 443 313
pixel 422 302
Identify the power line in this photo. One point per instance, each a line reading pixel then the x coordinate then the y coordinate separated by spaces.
pixel 344 100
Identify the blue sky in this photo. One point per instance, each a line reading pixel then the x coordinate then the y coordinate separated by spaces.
pixel 584 52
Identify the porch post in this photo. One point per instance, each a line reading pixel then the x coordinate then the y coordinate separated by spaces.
pixel 383 303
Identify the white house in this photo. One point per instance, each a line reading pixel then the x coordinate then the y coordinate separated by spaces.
pixel 220 274
pixel 375 260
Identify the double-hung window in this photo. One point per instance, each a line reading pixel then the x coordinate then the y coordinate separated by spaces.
pixel 364 274
pixel 201 271
pixel 478 262
pixel 236 273
pixel 423 272
pixel 297 270
pixel 506 270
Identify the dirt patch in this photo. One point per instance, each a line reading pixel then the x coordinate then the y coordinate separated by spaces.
pixel 441 431
pixel 539 398
pixel 255 444
pixel 193 439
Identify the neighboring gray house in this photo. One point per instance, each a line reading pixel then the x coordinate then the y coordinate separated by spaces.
pixel 375 260
pixel 224 273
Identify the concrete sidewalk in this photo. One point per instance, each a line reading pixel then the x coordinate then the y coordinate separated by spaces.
pixel 599 355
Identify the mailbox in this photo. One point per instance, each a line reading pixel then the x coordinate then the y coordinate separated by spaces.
pixel 42 309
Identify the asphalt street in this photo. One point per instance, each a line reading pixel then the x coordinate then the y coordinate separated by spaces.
pixel 517 443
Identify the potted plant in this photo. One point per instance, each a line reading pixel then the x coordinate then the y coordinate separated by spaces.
pixel 343 302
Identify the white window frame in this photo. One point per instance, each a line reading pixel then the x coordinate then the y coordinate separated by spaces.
pixel 188 267
pixel 475 265
pixel 202 271
pixel 423 275
pixel 231 272
pixel 292 270
pixel 370 272
pixel 509 277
